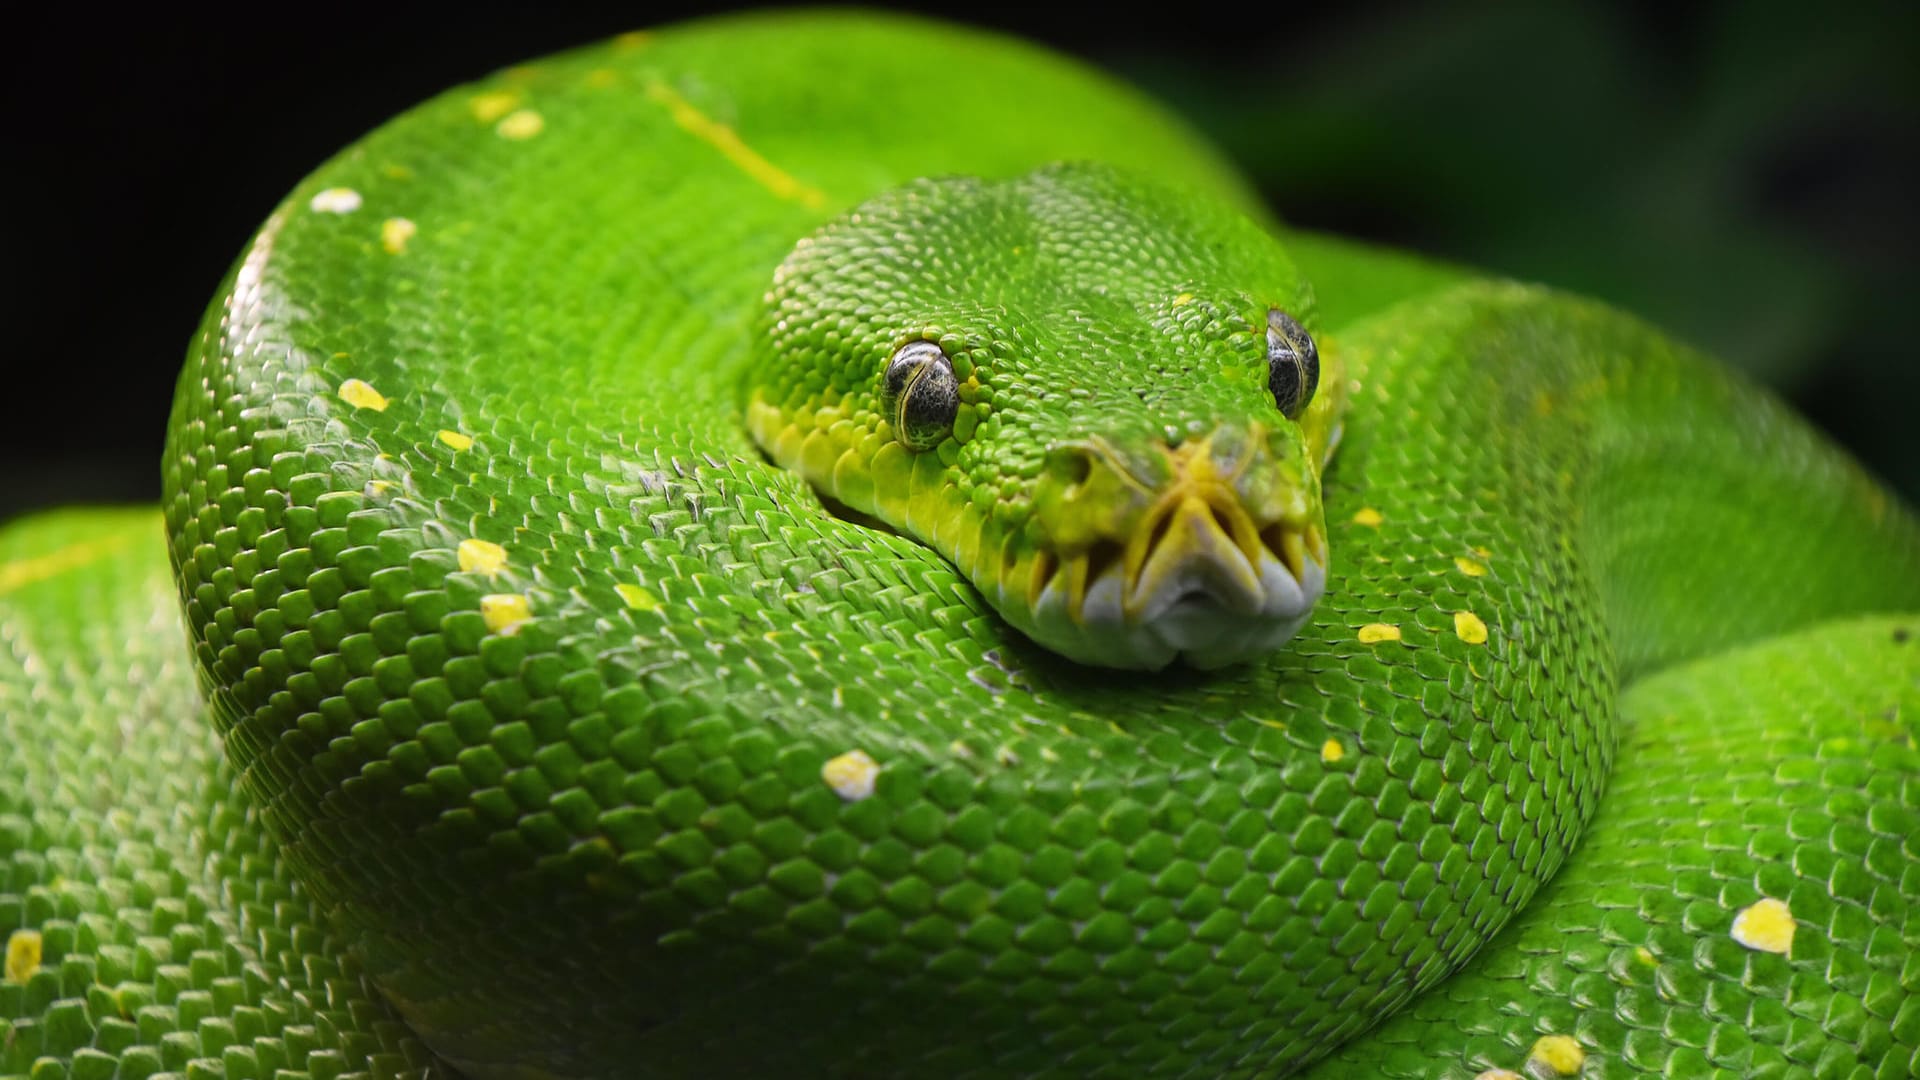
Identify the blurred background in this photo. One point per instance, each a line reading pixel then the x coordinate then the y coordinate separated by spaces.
pixel 1745 173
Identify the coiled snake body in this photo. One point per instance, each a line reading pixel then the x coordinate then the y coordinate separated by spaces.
pixel 632 517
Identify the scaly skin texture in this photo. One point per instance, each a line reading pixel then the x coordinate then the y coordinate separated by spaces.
pixel 549 701
pixel 170 936
pixel 1631 949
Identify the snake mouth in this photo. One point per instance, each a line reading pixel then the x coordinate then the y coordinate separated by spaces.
pixel 1189 548
pixel 1199 578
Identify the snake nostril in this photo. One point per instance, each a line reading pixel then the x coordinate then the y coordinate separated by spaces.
pixel 1069 464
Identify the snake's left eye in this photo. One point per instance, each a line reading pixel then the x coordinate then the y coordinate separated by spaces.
pixel 922 396
pixel 1293 364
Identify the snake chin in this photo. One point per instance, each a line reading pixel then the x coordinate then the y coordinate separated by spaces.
pixel 1212 609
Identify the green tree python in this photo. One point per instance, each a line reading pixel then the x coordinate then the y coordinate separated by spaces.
pixel 834 545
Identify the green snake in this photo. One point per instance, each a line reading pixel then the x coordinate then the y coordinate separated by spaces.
pixel 836 545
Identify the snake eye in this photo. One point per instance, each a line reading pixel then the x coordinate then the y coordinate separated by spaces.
pixel 1293 364
pixel 921 395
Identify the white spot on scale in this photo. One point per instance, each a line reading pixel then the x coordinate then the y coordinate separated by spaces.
pixel 851 775
pixel 335 200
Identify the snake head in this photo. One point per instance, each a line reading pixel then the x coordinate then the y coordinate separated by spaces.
pixel 1097 396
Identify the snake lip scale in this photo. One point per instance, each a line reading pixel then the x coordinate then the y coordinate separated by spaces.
pixel 1195 594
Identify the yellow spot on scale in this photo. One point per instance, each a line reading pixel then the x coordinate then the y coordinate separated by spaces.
pixel 23 955
pixel 1183 299
pixel 1469 567
pixel 1006 757
pixel 393 171
pixel 362 395
pixel 1765 926
pixel 960 749
pixel 335 200
pixel 1274 724
pixel 394 234
pixel 1644 955
pixel 1368 516
pixel 1374 633
pixel 455 439
pixel 1331 751
pixel 1047 754
pixel 603 78
pixel 523 124
pixel 504 612
pixel 728 142
pixel 492 105
pixel 482 557
pixel 851 775
pixel 1559 1053
pixel 637 598
pixel 1469 627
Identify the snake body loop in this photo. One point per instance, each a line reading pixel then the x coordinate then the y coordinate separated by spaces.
pixel 567 730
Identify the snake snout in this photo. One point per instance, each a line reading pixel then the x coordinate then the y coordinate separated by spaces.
pixel 1188 555
pixel 1198 541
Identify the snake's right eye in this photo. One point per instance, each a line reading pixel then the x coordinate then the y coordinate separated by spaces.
pixel 1293 363
pixel 922 397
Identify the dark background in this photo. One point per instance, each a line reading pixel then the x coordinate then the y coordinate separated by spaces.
pixel 1745 174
